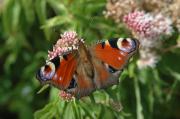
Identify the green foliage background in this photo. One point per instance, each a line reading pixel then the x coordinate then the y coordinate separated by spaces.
pixel 28 28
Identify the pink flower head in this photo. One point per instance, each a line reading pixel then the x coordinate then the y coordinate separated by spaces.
pixel 68 41
pixel 66 96
pixel 148 26
pixel 148 29
pixel 139 23
pixel 147 59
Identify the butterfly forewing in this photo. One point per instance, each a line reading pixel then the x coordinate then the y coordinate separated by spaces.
pixel 109 58
pixel 110 53
pixel 61 69
pixel 65 71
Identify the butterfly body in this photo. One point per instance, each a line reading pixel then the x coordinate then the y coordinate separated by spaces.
pixel 82 71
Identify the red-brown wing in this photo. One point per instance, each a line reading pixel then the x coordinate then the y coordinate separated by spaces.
pixel 103 77
pixel 109 58
pixel 112 56
pixel 64 72
pixel 85 84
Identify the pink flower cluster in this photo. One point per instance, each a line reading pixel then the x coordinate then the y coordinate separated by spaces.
pixel 149 30
pixel 66 96
pixel 148 58
pixel 68 41
pixel 139 23
pixel 148 26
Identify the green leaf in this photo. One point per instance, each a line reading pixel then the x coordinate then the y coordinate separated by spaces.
pixel 176 75
pixel 58 7
pixel 41 12
pixel 43 88
pixel 139 108
pixel 76 110
pixel 55 21
pixel 16 11
pixel 131 70
pixel 11 59
pixel 87 111
pixel 7 16
pixel 48 111
pixel 28 10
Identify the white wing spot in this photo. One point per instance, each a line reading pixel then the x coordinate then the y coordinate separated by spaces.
pixel 122 53
pixel 119 58
pixel 60 78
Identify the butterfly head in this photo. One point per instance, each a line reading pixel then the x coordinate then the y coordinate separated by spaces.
pixel 46 72
pixel 127 45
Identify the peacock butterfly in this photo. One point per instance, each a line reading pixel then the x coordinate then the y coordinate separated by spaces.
pixel 83 70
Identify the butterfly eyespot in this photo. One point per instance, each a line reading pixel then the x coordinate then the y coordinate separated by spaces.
pixel 46 72
pixel 47 68
pixel 126 44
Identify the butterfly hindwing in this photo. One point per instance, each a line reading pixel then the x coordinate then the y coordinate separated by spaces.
pixel 102 77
